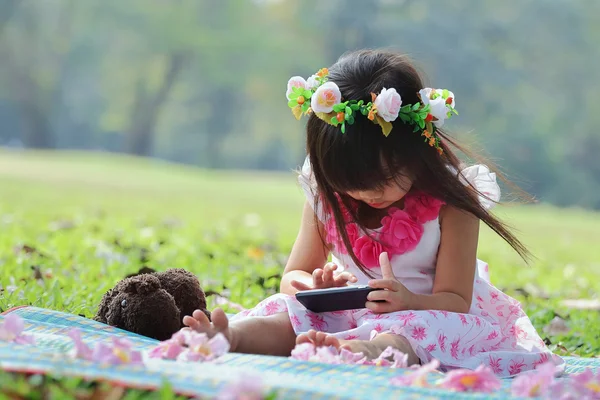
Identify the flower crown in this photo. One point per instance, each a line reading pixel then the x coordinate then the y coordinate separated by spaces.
pixel 324 98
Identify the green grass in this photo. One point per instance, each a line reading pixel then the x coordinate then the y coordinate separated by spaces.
pixel 91 219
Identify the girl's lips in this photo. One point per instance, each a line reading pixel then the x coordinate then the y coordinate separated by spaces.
pixel 376 205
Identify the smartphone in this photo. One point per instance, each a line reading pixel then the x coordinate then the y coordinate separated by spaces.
pixel 334 299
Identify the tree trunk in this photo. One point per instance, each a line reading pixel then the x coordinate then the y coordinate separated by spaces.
pixel 140 135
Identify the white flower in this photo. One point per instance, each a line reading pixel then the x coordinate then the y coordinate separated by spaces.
pixel 438 107
pixel 326 96
pixel 312 83
pixel 388 104
pixel 295 81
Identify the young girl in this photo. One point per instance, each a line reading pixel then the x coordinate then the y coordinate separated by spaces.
pixel 389 200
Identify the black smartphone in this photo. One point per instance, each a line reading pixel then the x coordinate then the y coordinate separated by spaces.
pixel 334 299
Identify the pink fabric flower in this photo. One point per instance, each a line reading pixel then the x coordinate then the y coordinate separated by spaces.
pixel 334 238
pixel 201 348
pixel 422 207
pixel 295 81
pixel 399 359
pixel 418 377
pixel 325 97
pixel 482 379
pixel 331 355
pixel 247 387
pixel 400 232
pixel 368 251
pixel 11 330
pixel 535 383
pixel 388 104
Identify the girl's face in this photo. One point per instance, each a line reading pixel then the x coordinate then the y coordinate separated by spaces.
pixel 394 190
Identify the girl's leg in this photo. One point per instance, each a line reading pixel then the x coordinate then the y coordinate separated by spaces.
pixel 272 335
pixel 370 348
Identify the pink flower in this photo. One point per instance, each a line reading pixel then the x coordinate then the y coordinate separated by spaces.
pixel 388 104
pixel 247 387
pixel 11 330
pixel 170 349
pixel 316 321
pixel 407 317
pixel 325 97
pixel 118 352
pixel 482 379
pixel 586 384
pixel 81 349
pixel 418 377
pixel 544 358
pixel 422 207
pixel 495 365
pixel 201 348
pixel 442 341
pixel 454 348
pixel 400 231
pixel 515 366
pixel 493 335
pixel 534 383
pixel 271 308
pixel 400 359
pixel 295 81
pixel 463 319
pixel 368 251
pixel 335 239
pixel 419 333
pixel 430 348
pixel 295 321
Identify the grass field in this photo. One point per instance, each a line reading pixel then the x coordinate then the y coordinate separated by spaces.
pixel 73 224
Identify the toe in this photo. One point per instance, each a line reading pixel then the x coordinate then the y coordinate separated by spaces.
pixel 331 340
pixel 320 339
pixel 219 319
pixel 191 322
pixel 312 335
pixel 303 338
pixel 200 317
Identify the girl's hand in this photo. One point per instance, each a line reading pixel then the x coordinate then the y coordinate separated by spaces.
pixel 323 278
pixel 394 296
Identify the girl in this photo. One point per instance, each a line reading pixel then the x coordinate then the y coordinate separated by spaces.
pixel 386 199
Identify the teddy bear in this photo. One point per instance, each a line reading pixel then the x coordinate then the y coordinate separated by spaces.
pixel 152 304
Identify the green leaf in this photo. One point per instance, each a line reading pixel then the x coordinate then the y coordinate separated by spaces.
pixel 348 110
pixel 334 121
pixel 292 103
pixel 454 111
pixel 364 111
pixel 307 94
pixel 354 107
pixel 360 103
pixel 421 124
pixel 404 118
pixel 416 128
pixel 350 119
pixel 426 109
pixel 405 108
pixel 294 96
pixel 339 107
pixel 305 106
pixel 445 94
pixel 343 127
pixel 416 106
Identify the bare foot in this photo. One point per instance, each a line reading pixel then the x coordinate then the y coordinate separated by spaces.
pixel 371 349
pixel 318 339
pixel 220 324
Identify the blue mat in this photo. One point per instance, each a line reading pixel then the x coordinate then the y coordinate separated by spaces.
pixel 291 379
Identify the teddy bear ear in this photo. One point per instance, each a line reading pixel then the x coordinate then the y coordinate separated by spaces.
pixel 141 284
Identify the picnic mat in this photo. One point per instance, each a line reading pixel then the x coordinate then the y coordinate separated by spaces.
pixel 291 379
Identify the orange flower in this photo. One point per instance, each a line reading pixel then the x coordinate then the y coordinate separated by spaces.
pixel 432 142
pixel 426 134
pixel 372 113
pixel 323 72
pixel 440 150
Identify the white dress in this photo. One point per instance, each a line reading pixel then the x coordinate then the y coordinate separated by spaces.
pixel 495 332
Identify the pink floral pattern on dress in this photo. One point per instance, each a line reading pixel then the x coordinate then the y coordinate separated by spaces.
pixel 424 208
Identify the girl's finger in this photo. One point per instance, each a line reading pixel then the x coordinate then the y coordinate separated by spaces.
pixel 344 277
pixel 379 308
pixel 318 277
pixel 379 295
pixel 300 285
pixel 388 284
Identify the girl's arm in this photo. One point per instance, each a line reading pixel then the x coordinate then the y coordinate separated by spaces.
pixel 308 253
pixel 455 271
pixel 456 263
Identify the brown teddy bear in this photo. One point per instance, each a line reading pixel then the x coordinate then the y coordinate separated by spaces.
pixel 153 304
